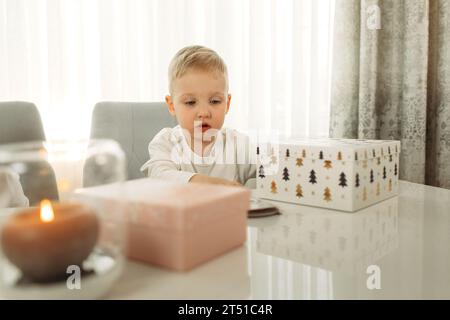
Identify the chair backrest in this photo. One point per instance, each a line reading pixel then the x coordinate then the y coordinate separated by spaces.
pixel 133 125
pixel 21 122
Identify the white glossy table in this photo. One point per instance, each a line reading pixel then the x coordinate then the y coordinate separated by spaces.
pixel 312 253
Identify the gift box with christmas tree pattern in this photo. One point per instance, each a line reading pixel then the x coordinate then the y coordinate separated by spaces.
pixel 341 174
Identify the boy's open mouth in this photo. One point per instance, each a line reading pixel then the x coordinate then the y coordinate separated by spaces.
pixel 205 127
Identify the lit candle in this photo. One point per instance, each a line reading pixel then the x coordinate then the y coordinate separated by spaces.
pixel 43 242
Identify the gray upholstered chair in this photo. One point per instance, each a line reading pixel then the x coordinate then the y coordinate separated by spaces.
pixel 133 125
pixel 21 122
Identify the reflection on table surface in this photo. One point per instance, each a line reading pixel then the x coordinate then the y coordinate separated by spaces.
pixel 312 253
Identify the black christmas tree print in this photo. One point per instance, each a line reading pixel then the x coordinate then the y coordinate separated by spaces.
pixel 356 156
pixel 299 162
pixel 304 153
pixel 312 177
pixel 390 158
pixel 378 161
pixel 327 195
pixel 371 176
pixel 384 172
pixel 342 180
pixel 321 155
pixel 261 172
pixel 339 155
pixel 389 150
pixel 357 180
pixel 395 169
pixel 285 174
pixel 373 153
pixel 257 150
pixel 299 191
pixel 287 153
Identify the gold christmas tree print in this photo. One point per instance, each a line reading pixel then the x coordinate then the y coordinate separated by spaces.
pixel 274 159
pixel 299 191
pixel 327 164
pixel 273 187
pixel 327 195
pixel 364 197
pixel 378 189
pixel 299 162
pixel 304 153
pixel 339 155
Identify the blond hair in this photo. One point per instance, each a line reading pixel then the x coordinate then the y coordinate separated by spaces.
pixel 196 57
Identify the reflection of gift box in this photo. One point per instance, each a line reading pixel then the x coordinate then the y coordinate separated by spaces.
pixel 339 174
pixel 333 240
pixel 178 226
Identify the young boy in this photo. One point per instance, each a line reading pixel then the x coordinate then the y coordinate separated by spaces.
pixel 199 149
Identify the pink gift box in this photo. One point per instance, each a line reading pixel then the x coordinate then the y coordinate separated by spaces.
pixel 177 226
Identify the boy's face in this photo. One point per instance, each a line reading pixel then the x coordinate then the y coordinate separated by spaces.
pixel 200 102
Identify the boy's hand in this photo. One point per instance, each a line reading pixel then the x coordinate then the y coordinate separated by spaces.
pixel 200 178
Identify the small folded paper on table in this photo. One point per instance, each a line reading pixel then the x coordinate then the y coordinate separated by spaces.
pixel 260 208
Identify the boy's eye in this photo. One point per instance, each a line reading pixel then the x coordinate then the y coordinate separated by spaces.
pixel 216 101
pixel 190 103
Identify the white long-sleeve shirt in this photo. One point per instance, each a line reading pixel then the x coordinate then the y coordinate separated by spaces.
pixel 11 192
pixel 232 157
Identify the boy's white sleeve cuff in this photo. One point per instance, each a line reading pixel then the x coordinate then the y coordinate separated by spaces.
pixel 184 176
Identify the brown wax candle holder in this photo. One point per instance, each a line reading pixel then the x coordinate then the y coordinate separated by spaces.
pixel 43 251
pixel 77 251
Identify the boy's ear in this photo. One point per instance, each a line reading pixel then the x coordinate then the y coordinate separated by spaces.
pixel 170 106
pixel 228 103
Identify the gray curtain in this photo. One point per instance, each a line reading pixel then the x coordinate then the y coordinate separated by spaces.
pixel 394 82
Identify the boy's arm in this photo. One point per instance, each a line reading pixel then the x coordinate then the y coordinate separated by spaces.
pixel 201 178
pixel 161 165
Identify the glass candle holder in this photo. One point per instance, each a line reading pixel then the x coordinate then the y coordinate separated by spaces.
pixel 54 242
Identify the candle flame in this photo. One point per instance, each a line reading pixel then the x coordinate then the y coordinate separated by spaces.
pixel 47 214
